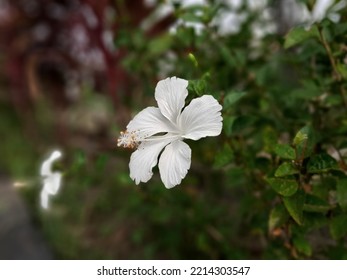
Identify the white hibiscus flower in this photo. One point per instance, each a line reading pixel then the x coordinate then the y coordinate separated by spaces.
pixel 164 128
pixel 51 180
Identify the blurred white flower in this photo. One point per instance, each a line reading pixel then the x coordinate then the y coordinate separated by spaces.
pixel 324 9
pixel 51 180
pixel 229 22
pixel 256 5
pixel 163 128
pixel 327 8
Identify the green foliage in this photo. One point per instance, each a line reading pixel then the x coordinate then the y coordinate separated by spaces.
pixel 286 169
pixel 338 226
pixel 231 98
pixel 299 34
pixel 278 217
pixel 321 163
pixel 341 193
pixel 295 206
pixel 302 245
pixel 285 151
pixel 285 187
pixel 199 86
pixel 304 142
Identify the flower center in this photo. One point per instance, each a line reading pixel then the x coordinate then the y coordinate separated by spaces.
pixel 132 139
pixel 128 140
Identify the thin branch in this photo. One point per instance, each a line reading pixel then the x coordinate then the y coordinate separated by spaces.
pixel 336 74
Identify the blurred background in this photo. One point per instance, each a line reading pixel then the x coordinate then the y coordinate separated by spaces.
pixel 74 73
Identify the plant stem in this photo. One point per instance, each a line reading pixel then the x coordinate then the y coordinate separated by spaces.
pixel 336 74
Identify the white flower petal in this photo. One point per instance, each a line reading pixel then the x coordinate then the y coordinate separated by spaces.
pixel 320 9
pixel 170 95
pixel 55 155
pixel 46 168
pixel 201 118
pixel 44 199
pixel 144 159
pixel 174 163
pixel 149 122
pixel 47 164
pixel 52 183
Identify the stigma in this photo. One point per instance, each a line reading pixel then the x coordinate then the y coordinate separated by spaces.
pixel 128 140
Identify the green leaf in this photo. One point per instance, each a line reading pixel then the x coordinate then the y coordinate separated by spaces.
pixel 79 161
pixel 191 17
pixel 322 188
pixel 333 100
pixel 302 245
pixel 227 56
pixel 285 151
pixel 341 193
pixel 301 136
pixel 286 169
pixel 316 208
pixel 295 206
pixel 315 204
pixel 270 137
pixel 338 226
pixel 340 28
pixel 243 122
pixel 101 162
pixel 223 157
pixel 342 68
pixel 321 163
pixel 285 187
pixel 278 216
pixel 198 13
pixel 231 98
pixel 300 34
pixel 308 90
pixel 304 141
pixel 199 86
pixel 228 124
pixel 194 13
pixel 159 45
